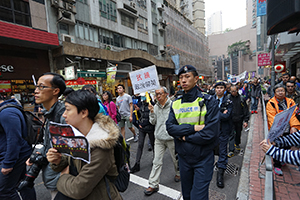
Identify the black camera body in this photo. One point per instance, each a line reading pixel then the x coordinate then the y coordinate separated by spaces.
pixel 38 161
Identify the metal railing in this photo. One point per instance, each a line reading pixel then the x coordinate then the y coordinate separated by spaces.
pixel 269 187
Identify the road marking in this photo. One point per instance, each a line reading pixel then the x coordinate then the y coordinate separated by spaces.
pixel 164 190
pixel 128 139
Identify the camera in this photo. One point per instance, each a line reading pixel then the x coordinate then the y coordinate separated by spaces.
pixel 38 161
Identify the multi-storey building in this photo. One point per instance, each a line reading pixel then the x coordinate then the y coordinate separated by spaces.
pixel 214 23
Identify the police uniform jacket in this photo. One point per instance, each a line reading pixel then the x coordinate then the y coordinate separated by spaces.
pixel 197 145
pixel 225 119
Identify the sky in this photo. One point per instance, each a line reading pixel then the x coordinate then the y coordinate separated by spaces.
pixel 233 12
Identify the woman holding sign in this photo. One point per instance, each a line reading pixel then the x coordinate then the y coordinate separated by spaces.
pixel 276 105
pixel 78 179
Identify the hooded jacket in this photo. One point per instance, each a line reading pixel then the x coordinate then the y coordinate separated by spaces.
pixel 272 109
pixel 89 184
pixel 13 146
pixel 197 145
pixel 255 90
pixel 159 118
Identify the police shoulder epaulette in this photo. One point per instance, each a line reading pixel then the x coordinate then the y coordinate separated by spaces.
pixel 229 101
pixel 207 96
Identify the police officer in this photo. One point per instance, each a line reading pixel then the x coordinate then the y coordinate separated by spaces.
pixel 194 123
pixel 225 106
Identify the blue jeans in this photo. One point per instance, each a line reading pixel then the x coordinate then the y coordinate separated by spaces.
pixel 8 183
pixel 254 103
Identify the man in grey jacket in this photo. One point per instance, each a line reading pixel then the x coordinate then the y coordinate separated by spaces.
pixel 158 116
pixel 255 90
pixel 49 87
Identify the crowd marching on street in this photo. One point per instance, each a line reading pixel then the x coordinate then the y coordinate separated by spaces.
pixel 195 123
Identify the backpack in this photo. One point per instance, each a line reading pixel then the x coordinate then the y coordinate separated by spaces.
pixel 122 155
pixel 34 124
pixel 118 116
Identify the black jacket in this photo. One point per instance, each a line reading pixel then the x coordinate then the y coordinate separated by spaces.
pixel 225 119
pixel 197 145
pixel 240 111
pixel 143 115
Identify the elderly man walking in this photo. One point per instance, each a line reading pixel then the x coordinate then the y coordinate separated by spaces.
pixel 158 117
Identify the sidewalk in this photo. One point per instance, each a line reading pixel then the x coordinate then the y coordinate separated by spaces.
pixel 286 186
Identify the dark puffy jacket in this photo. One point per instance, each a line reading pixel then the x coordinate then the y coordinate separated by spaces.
pixel 197 144
pixel 240 110
pixel 143 114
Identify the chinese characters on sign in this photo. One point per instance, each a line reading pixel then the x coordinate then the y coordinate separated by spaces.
pixel 87 82
pixel 144 79
pixel 263 59
pixel 281 120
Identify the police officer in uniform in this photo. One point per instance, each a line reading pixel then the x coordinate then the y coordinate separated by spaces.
pixel 194 123
pixel 225 113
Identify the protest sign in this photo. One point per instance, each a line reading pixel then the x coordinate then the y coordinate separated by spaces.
pixel 281 120
pixel 145 79
pixel 69 141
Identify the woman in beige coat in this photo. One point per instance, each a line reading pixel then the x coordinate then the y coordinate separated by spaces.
pixel 102 134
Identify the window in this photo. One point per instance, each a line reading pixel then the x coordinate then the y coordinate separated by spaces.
pixel 142 4
pixel 63 28
pixel 155 34
pixel 142 25
pixel 15 11
pixel 108 9
pixel 80 30
pixel 126 20
pixel 86 32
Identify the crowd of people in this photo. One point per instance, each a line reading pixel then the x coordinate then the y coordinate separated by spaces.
pixel 195 122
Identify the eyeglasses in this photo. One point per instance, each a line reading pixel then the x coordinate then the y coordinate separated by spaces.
pixel 42 87
pixel 160 93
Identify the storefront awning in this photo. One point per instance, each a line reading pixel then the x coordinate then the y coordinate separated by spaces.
pixel 17 32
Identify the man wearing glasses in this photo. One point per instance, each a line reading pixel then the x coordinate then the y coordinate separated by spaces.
pixel 158 116
pixel 49 87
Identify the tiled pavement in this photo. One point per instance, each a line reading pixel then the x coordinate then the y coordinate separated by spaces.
pixel 286 186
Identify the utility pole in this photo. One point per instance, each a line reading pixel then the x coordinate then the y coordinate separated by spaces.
pixel 273 63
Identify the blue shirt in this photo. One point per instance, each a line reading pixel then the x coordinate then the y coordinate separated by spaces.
pixel 221 99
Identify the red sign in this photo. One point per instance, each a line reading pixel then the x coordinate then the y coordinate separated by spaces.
pixel 5 86
pixel 87 82
pixel 263 59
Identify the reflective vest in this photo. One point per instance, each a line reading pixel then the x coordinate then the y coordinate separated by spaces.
pixel 189 112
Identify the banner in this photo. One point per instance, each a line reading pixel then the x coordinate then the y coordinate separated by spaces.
pixel 145 79
pixel 263 59
pixel 69 141
pixel 111 74
pixel 242 75
pixel 176 61
pixel 261 7
pixel 281 120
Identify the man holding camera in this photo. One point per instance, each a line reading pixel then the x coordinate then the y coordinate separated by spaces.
pixel 14 150
pixel 225 106
pixel 49 87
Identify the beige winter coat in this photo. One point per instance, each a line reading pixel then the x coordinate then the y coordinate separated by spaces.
pixel 89 184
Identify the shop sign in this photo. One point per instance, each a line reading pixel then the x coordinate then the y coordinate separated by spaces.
pixel 5 86
pixel 145 79
pixel 70 73
pixel 87 82
pixel 6 68
pixel 90 74
pixel 263 59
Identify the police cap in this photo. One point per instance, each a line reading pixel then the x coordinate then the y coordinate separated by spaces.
pixel 187 68
pixel 220 83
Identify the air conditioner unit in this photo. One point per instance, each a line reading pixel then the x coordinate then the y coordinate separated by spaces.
pixel 163 21
pixel 162 48
pixel 71 7
pixel 66 17
pixel 161 27
pixel 132 4
pixel 57 3
pixel 160 6
pixel 67 38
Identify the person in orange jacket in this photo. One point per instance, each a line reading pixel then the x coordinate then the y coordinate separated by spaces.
pixel 276 105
